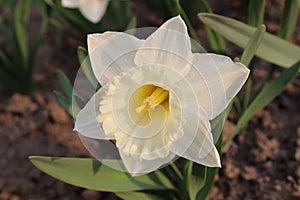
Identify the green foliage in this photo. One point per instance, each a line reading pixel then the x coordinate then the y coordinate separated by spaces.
pixel 137 195
pixel 70 100
pixel 256 11
pixel 216 41
pixel 264 97
pixel 272 48
pixel 289 18
pixel 17 58
pixel 253 45
pixel 92 174
pixel 86 66
pixel 64 83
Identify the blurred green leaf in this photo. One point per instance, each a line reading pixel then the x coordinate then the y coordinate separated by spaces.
pixel 131 25
pixel 22 12
pixel 289 18
pixel 64 83
pixel 75 107
pixel 269 91
pixel 18 59
pixel 197 179
pixel 80 172
pixel 253 45
pixel 272 48
pixel 137 196
pixel 164 9
pixel 184 16
pixel 256 11
pixel 39 37
pixel 63 101
pixel 217 124
pixel 86 66
pixel 216 41
pixel 4 30
pixel 119 15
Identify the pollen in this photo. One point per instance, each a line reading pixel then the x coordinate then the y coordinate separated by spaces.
pixel 158 96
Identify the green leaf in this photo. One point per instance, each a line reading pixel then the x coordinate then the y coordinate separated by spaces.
pixel 81 172
pixel 22 12
pixel 197 180
pixel 77 105
pixel 131 25
pixel 119 15
pixel 163 9
pixel 216 41
pixel 266 95
pixel 4 30
pixel 289 18
pixel 137 196
pixel 253 45
pixel 217 123
pixel 64 83
pixel 64 102
pixel 184 16
pixel 86 66
pixel 272 48
pixel 40 33
pixel 256 11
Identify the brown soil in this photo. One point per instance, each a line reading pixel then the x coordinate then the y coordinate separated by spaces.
pixel 261 163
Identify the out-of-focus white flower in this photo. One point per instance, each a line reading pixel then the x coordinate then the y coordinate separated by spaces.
pixel 93 10
pixel 157 96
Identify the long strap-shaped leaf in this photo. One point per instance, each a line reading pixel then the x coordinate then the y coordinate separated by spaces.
pixel 266 95
pixel 92 174
pixel 137 196
pixel 272 48
pixel 289 18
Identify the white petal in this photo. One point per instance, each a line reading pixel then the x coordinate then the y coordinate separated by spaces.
pixel 70 3
pixel 111 54
pixel 200 145
pixel 216 80
pixel 86 120
pixel 202 149
pixel 147 149
pixel 93 10
pixel 137 166
pixel 169 45
pixel 211 160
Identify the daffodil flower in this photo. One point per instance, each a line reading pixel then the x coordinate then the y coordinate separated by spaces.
pixel 158 97
pixel 93 10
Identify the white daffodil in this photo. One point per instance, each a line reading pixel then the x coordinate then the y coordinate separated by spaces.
pixel 157 97
pixel 93 10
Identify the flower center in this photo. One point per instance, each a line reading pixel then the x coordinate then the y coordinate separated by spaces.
pixel 149 102
pixel 158 96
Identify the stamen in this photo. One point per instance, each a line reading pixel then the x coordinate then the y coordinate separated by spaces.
pixel 156 98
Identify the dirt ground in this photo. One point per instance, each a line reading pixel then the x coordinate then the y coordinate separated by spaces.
pixel 261 163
